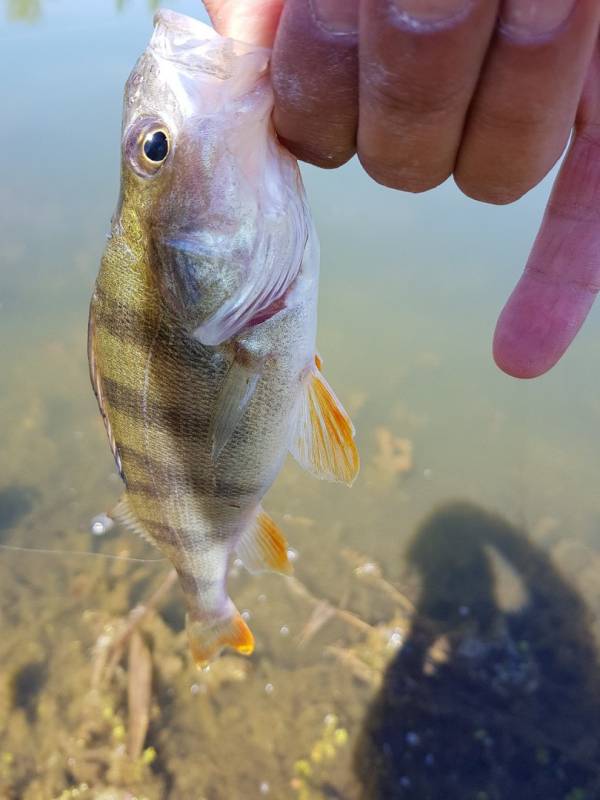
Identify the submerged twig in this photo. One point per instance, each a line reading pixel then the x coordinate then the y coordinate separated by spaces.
pixel 139 693
pixel 323 612
pixel 134 619
pixel 369 570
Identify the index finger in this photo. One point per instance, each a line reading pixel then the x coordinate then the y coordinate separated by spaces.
pixel 562 277
pixel 251 21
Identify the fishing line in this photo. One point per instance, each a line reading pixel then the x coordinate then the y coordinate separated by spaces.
pixel 108 556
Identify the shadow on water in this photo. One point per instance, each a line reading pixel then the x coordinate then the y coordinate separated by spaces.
pixel 15 503
pixel 486 701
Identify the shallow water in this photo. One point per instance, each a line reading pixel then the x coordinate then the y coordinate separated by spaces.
pixel 470 672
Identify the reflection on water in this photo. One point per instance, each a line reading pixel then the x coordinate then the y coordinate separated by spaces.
pixel 31 10
pixel 448 658
pixel 24 10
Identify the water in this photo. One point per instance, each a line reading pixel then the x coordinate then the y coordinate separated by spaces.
pixel 470 672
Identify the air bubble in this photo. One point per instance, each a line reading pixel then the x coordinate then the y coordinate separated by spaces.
pixel 101 524
pixel 269 688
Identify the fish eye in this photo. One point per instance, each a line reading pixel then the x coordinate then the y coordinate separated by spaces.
pixel 147 145
pixel 156 146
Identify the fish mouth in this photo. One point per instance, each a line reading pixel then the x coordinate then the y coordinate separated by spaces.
pixel 181 23
pixel 197 47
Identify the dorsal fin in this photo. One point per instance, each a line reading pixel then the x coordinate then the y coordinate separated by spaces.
pixel 97 386
pixel 324 442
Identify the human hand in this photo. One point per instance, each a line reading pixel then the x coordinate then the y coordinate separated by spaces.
pixel 483 90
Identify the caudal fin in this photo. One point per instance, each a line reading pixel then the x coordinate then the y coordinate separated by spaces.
pixel 207 639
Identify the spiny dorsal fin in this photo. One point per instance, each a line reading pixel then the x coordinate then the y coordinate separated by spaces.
pixel 263 547
pixel 324 442
pixel 97 386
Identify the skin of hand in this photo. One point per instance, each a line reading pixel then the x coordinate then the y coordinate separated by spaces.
pixel 489 91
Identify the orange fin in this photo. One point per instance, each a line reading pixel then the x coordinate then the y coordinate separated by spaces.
pixel 324 443
pixel 208 639
pixel 263 546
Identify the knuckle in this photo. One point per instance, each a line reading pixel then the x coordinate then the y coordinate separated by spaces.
pixel 513 120
pixel 394 97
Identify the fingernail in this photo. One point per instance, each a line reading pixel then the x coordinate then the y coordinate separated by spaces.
pixel 429 12
pixel 535 17
pixel 336 16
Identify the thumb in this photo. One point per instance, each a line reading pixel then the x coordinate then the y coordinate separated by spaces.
pixel 251 21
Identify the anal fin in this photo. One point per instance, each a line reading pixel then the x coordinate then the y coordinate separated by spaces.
pixel 123 514
pixel 206 640
pixel 324 442
pixel 263 547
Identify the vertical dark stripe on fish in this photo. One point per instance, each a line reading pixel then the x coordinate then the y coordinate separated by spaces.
pixel 195 584
pixel 188 423
pixel 144 329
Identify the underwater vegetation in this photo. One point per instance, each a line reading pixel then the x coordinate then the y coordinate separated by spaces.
pixel 473 687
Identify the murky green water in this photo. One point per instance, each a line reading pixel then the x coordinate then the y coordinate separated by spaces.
pixel 470 672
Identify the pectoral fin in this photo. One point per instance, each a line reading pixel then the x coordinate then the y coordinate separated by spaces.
pixel 236 392
pixel 263 547
pixel 324 442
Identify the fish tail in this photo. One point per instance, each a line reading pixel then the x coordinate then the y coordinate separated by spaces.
pixel 207 637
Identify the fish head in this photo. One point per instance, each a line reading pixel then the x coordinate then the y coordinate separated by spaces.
pixel 219 200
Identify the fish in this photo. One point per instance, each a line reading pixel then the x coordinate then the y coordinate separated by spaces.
pixel 202 325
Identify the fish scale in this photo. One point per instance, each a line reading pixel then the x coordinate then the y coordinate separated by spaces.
pixel 203 322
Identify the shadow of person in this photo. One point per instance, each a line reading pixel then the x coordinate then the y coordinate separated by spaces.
pixel 495 693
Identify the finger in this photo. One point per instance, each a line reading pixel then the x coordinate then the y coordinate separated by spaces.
pixel 562 277
pixel 526 101
pixel 251 21
pixel 315 78
pixel 419 63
